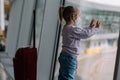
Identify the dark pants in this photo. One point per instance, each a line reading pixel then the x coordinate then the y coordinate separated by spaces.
pixel 67 66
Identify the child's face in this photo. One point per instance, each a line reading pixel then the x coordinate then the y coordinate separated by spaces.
pixel 75 16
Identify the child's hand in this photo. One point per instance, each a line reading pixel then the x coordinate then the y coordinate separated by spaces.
pixel 92 23
pixel 97 24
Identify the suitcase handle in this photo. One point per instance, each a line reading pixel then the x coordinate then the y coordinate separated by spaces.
pixel 34 24
pixel 34 30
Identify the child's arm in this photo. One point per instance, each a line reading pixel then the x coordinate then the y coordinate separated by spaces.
pixel 83 33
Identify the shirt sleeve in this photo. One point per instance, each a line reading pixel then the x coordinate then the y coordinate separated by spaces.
pixel 83 33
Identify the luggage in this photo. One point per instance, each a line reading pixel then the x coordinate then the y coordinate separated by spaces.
pixel 25 64
pixel 25 60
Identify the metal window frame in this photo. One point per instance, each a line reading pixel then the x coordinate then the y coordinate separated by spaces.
pixel 47 42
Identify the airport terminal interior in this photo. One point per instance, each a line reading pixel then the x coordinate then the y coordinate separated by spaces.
pixel 98 55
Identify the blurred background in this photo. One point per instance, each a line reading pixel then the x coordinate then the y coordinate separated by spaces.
pixel 4 20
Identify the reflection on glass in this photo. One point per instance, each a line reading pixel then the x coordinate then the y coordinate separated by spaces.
pixel 97 57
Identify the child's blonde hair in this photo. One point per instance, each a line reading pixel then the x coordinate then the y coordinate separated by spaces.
pixel 66 12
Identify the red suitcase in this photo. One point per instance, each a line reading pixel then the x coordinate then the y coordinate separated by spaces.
pixel 25 64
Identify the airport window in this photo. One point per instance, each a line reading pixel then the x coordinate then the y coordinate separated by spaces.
pixel 4 20
pixel 98 54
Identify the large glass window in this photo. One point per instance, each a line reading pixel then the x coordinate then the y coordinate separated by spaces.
pixel 98 53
